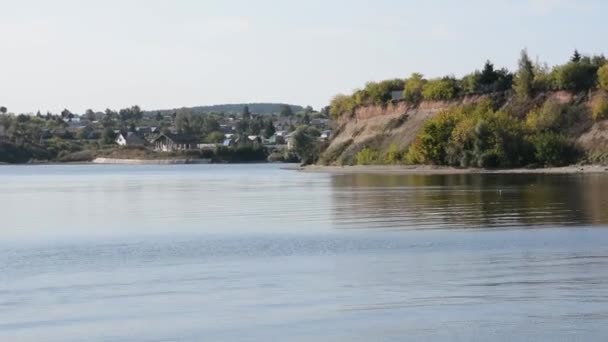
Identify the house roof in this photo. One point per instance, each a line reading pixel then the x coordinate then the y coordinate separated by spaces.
pixel 133 139
pixel 179 138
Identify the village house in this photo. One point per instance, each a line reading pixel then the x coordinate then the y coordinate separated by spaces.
pixel 129 139
pixel 169 142
pixel 228 142
pixel 320 123
pixel 325 135
pixel 289 138
pixel 144 131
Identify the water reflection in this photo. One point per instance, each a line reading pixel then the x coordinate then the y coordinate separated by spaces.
pixel 468 201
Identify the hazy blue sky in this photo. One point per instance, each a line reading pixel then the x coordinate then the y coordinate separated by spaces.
pixel 165 54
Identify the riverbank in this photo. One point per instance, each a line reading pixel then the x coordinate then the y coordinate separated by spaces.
pixel 442 170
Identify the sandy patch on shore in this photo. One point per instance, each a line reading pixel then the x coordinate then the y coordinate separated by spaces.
pixel 149 161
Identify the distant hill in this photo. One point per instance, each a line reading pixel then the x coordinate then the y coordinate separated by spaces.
pixel 256 108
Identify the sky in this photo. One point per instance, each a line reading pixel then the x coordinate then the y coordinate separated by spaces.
pixel 162 54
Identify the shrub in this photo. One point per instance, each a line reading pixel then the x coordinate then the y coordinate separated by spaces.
pixel 393 155
pixel 602 77
pixel 413 88
pixel 367 156
pixel 576 76
pixel 599 106
pixel 432 141
pixel 549 117
pixel 553 149
pixel 489 159
pixel 443 89
pixel 341 105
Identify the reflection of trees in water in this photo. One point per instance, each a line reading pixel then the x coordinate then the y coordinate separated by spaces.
pixel 416 201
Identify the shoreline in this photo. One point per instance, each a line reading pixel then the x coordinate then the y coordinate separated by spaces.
pixel 149 161
pixel 445 170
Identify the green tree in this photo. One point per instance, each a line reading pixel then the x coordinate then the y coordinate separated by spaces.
pixel 183 121
pixel 90 115
pixel 488 76
pixel 210 124
pixel 305 145
pixel 431 144
pixel 84 132
pixel 413 88
pixel 246 115
pixel 552 149
pixel 576 57
pixel 137 113
pixel 524 79
pixel 3 110
pixel 107 136
pixel 269 129
pixel 215 137
pixel 110 114
pixel 602 77
pixel 576 76
pixel 443 89
pixel 158 117
pixel 599 106
pixel 306 119
pixel 286 111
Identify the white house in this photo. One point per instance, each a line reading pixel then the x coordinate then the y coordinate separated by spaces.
pixel 129 139
pixel 175 142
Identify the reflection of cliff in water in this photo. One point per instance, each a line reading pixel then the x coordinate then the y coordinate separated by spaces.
pixel 468 201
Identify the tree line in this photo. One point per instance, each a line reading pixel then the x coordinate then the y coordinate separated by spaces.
pixel 579 73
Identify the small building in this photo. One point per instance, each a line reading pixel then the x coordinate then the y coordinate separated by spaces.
pixel 325 135
pixel 147 130
pixel 289 138
pixel 257 139
pixel 319 123
pixel 169 142
pixel 228 142
pixel 396 95
pixel 129 139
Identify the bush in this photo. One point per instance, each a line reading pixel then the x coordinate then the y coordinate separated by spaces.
pixel 576 76
pixel 432 141
pixel 341 105
pixel 22 153
pixel 602 77
pixel 393 155
pixel 444 89
pixel 413 88
pixel 367 156
pixel 553 149
pixel 549 117
pixel 599 106
pixel 489 159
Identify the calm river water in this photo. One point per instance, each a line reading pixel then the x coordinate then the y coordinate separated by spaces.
pixel 258 253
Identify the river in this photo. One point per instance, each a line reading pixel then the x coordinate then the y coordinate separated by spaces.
pixel 260 253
